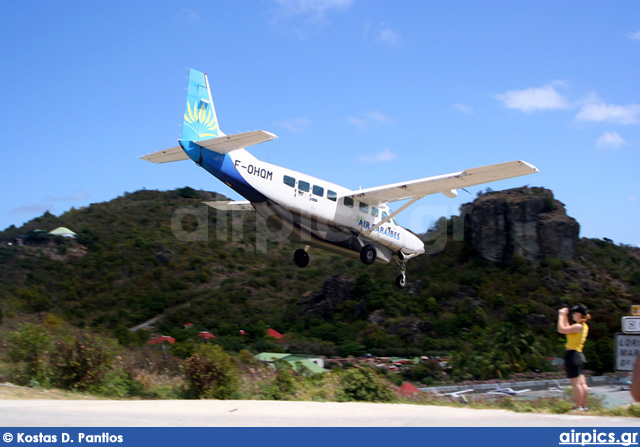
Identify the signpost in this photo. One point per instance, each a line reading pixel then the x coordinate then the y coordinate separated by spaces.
pixel 631 325
pixel 627 346
pixel 627 350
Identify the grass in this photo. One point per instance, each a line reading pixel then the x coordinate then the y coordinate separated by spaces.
pixel 554 405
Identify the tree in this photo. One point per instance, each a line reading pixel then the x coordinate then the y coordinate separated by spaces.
pixel 363 384
pixel 510 341
pixel 27 347
pixel 211 373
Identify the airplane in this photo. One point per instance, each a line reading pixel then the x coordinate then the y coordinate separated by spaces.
pixel 321 214
pixel 459 395
pixel 507 391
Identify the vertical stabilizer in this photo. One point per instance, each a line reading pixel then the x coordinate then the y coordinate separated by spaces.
pixel 200 120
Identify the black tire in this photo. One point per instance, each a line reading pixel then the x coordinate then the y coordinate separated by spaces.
pixel 401 281
pixel 368 254
pixel 301 258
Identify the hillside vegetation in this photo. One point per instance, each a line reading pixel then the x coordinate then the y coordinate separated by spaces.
pixel 128 266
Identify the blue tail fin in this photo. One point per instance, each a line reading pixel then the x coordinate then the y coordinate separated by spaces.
pixel 200 120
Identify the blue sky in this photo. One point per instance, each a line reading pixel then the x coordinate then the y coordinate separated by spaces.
pixel 360 92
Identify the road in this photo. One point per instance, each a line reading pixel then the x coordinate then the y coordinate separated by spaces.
pixel 230 413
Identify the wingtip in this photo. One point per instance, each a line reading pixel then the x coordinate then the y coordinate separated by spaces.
pixel 530 166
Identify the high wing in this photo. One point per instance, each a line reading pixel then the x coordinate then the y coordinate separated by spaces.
pixel 241 205
pixel 221 145
pixel 446 184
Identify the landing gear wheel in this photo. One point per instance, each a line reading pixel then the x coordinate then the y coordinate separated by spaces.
pixel 368 254
pixel 401 281
pixel 301 258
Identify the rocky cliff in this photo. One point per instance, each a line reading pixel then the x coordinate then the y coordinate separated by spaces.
pixel 528 222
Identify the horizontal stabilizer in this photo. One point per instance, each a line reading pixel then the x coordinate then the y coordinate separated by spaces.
pixel 221 145
pixel 241 205
pixel 167 155
pixel 228 143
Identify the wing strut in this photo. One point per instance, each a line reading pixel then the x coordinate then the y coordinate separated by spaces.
pixel 392 215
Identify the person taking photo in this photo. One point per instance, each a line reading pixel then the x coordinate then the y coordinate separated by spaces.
pixel 574 359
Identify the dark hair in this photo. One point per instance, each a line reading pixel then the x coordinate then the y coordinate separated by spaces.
pixel 580 308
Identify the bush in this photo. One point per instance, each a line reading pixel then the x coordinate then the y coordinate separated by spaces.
pixel 284 383
pixel 211 373
pixel 363 384
pixel 27 348
pixel 79 363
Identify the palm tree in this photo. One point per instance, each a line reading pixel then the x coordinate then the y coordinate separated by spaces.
pixel 510 340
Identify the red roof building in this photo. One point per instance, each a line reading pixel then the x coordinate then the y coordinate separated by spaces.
pixel 273 333
pixel 407 389
pixel 205 335
pixel 162 339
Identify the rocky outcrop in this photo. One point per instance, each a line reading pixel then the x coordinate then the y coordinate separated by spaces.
pixel 527 222
pixel 335 291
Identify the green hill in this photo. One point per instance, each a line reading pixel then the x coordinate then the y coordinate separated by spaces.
pixel 127 266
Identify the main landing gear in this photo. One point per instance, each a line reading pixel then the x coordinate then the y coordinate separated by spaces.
pixel 301 257
pixel 368 256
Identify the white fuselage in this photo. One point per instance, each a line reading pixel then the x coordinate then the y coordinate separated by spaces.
pixel 322 205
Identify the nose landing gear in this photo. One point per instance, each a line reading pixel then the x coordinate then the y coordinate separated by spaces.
pixel 401 279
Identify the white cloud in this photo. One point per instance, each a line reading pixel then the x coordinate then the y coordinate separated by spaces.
pixel 79 194
pixel 384 155
pixel 369 120
pixel 30 209
pixel 388 36
pixel 190 15
pixel 533 99
pixel 609 113
pixel 632 199
pixel 382 34
pixel 467 110
pixel 611 140
pixel 298 124
pixel 634 36
pixel 315 10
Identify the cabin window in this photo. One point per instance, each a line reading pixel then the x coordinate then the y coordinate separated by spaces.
pixel 332 195
pixel 374 211
pixel 364 208
pixel 303 186
pixel 348 202
pixel 318 191
pixel 289 181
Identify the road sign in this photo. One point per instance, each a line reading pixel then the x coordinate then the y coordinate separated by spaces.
pixel 631 325
pixel 635 310
pixel 627 351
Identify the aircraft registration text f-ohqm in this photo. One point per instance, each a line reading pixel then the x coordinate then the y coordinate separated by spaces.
pixel 357 223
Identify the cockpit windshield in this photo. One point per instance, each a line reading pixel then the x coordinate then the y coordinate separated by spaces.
pixel 393 219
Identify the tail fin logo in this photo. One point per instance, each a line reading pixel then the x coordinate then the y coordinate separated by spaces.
pixel 202 121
